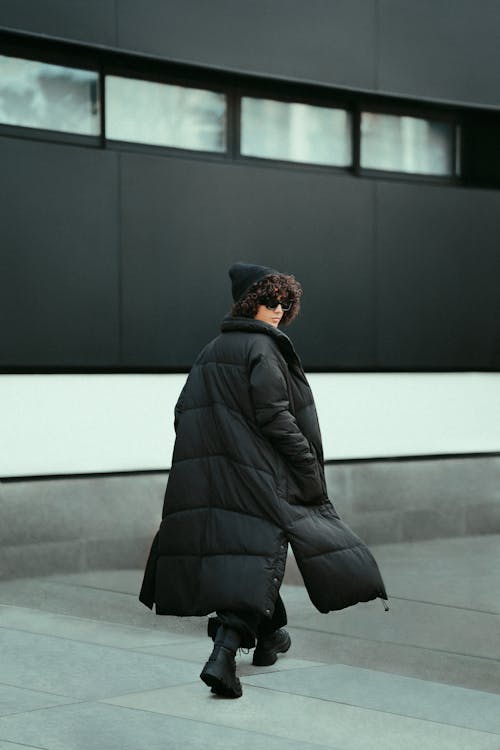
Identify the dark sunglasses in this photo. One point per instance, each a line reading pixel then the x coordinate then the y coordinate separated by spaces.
pixel 272 303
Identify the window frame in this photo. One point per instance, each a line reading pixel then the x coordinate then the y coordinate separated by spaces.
pixel 422 113
pixel 54 57
pixel 156 76
pixel 285 97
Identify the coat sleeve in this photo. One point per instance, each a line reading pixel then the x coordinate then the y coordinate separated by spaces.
pixel 271 402
pixel 179 407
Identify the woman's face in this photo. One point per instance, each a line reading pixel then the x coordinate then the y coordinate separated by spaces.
pixel 269 316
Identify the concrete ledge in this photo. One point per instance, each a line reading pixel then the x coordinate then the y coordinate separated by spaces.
pixel 396 501
pixel 72 525
pixel 78 524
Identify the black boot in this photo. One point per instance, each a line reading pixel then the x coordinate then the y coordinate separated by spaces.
pixel 219 672
pixel 269 646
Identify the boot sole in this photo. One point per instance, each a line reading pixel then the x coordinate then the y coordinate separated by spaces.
pixel 214 681
pixel 267 658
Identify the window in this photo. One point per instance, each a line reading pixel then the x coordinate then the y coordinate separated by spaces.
pixel 38 95
pixel 407 144
pixel 196 114
pixel 295 132
pixel 165 115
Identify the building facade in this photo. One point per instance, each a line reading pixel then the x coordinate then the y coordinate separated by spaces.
pixel 147 146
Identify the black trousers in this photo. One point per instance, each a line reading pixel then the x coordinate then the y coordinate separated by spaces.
pixel 252 626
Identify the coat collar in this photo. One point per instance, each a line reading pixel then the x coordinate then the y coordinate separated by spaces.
pixel 250 325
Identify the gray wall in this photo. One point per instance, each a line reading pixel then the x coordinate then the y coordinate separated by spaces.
pixel 430 49
pixel 120 260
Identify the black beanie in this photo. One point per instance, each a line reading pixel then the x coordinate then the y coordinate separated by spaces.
pixel 244 275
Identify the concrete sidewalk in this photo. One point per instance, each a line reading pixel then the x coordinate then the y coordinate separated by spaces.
pixel 85 665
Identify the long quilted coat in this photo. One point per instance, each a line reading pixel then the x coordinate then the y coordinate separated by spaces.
pixel 247 478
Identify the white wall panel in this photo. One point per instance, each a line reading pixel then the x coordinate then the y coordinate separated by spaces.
pixel 65 424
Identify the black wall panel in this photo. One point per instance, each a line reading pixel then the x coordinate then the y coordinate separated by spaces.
pixel 438 272
pixel 58 260
pixel 185 222
pixel 91 21
pixel 440 49
pixel 395 275
pixel 318 40
pixel 433 49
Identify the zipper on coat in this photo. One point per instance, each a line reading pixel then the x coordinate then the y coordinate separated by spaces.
pixel 385 604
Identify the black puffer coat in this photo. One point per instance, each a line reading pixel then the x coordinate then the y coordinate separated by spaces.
pixel 247 478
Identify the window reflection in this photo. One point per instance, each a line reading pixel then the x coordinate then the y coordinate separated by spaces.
pixel 165 115
pixel 38 95
pixel 295 132
pixel 406 144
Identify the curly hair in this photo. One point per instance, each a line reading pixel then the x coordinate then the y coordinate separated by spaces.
pixel 281 286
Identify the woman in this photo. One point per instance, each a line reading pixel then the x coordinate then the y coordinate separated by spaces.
pixel 247 478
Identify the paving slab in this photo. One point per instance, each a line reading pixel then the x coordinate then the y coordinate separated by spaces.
pixel 4 745
pixel 461 572
pixel 198 651
pixel 106 727
pixel 420 624
pixel 405 696
pixel 307 719
pixel 93 603
pixel 16 700
pixel 83 670
pixel 81 629
pixel 477 673
pixel 124 580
